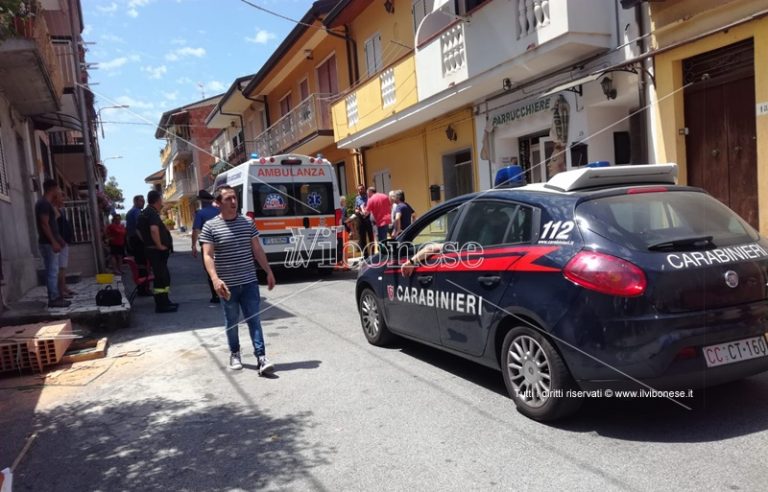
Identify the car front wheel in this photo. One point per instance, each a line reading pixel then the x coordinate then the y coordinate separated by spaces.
pixel 372 319
pixel 536 377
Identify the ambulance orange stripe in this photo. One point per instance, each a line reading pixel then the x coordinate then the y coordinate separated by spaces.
pixel 292 222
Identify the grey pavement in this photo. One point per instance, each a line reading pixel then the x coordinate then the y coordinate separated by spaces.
pixel 340 414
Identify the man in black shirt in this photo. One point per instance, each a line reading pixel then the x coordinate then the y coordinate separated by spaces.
pixel 158 246
pixel 50 241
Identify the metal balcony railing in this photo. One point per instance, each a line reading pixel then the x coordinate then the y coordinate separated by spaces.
pixel 76 213
pixel 179 146
pixel 165 154
pixel 237 156
pixel 311 116
pixel 35 29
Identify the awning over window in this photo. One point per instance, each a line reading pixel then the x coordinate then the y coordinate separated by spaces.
pixel 46 121
pixel 156 176
pixel 573 83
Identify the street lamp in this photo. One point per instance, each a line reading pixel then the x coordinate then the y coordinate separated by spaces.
pixel 98 115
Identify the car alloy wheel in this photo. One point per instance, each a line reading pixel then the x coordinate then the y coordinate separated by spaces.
pixel 372 319
pixel 529 371
pixel 536 377
pixel 369 313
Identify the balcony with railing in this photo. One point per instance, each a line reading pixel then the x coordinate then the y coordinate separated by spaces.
pixel 170 192
pixel 533 36
pixel 32 77
pixel 165 154
pixel 387 92
pixel 306 129
pixel 237 156
pixel 178 188
pixel 176 149
pixel 180 150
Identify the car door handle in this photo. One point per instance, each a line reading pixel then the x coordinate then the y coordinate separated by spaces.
pixel 489 281
pixel 424 279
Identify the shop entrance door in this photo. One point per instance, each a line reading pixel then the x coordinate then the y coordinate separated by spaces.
pixel 541 152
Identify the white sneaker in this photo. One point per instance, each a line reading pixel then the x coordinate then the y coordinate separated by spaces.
pixel 235 364
pixel 265 366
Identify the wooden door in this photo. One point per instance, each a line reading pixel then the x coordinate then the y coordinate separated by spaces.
pixel 721 141
pixel 328 84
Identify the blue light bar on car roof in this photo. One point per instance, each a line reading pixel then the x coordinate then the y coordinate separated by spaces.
pixel 591 177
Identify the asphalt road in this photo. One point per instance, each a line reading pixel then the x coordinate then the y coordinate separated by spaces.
pixel 340 414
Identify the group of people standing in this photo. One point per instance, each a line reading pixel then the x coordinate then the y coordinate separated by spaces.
pixel 54 233
pixel 230 251
pixel 387 215
pixel 149 241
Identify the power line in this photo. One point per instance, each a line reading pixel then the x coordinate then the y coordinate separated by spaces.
pixel 276 14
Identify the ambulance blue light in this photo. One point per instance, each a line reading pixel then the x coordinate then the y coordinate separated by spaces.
pixel 255 155
pixel 509 177
pixel 599 164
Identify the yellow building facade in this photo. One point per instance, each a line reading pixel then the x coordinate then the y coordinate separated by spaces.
pixel 418 159
pixel 711 94
pixel 295 90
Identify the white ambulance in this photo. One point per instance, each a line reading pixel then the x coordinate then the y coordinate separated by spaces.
pixel 294 202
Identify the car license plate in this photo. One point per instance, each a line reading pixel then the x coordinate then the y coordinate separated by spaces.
pixel 274 240
pixel 736 351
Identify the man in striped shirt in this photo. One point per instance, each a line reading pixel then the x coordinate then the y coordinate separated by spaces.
pixel 230 245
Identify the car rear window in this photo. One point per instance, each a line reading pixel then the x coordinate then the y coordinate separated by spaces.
pixel 657 220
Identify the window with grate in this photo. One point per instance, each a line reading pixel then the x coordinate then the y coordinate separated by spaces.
pixel 388 96
pixel 352 116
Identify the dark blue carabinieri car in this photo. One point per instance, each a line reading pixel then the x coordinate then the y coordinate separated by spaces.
pixel 601 278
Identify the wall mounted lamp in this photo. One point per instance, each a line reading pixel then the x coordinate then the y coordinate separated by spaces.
pixel 608 89
pixel 451 133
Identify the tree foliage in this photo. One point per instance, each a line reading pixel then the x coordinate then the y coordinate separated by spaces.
pixel 115 194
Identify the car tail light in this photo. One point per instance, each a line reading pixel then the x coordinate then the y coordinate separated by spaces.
pixel 606 274
pixel 687 353
pixel 647 189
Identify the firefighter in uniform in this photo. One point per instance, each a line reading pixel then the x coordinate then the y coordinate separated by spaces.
pixel 158 245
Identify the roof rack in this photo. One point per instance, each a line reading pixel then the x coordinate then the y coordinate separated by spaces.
pixel 593 177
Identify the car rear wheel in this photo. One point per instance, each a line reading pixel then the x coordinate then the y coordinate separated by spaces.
pixel 536 377
pixel 372 319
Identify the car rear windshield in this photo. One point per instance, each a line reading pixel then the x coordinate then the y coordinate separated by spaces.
pixel 673 220
pixel 290 199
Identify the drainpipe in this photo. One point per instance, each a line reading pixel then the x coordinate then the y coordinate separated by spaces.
pixel 90 171
pixel 350 59
pixel 360 156
pixel 643 20
pixel 263 101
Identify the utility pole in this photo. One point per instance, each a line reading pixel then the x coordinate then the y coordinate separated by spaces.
pixel 90 172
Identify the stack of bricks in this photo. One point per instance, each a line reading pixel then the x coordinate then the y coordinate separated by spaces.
pixel 34 347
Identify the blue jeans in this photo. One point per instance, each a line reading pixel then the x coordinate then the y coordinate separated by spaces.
pixel 245 297
pixel 381 233
pixel 51 261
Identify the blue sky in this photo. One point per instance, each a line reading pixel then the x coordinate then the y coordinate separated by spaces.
pixel 155 55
